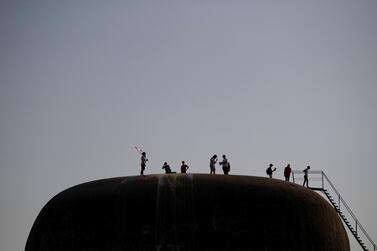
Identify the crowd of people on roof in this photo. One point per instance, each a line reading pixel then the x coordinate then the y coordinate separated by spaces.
pixel 225 164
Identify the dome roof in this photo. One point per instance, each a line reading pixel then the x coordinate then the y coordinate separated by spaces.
pixel 188 212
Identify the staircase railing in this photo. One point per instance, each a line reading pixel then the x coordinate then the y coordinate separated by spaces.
pixel 319 181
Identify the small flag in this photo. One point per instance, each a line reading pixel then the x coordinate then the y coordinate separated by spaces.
pixel 139 150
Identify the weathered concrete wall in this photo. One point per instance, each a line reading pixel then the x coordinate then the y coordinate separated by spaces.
pixel 188 212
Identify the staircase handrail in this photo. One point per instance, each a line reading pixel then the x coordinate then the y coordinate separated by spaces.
pixel 341 201
pixel 357 222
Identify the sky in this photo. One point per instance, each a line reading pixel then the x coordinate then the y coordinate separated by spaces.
pixel 83 82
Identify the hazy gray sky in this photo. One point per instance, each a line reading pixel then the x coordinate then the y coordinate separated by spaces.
pixel 83 82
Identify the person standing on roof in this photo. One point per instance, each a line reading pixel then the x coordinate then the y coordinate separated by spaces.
pixel 184 167
pixel 166 167
pixel 212 163
pixel 269 170
pixel 225 164
pixel 287 172
pixel 306 181
pixel 143 162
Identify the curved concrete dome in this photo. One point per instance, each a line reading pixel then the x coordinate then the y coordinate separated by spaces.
pixel 188 212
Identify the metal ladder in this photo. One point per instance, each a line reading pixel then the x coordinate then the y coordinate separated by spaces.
pixel 341 207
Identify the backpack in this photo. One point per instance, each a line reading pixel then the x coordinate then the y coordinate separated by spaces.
pixel 269 171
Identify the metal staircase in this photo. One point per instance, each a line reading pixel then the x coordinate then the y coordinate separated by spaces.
pixel 325 186
pixel 345 220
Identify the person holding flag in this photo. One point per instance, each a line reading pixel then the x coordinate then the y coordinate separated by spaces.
pixel 143 159
pixel 143 162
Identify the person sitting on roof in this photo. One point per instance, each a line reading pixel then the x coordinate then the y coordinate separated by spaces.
pixel 166 167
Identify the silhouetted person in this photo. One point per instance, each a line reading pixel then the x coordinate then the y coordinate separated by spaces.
pixel 184 167
pixel 212 163
pixel 143 162
pixel 227 169
pixel 225 164
pixel 269 170
pixel 166 167
pixel 287 172
pixel 306 181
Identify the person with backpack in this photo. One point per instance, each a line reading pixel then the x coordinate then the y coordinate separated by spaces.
pixel 269 170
